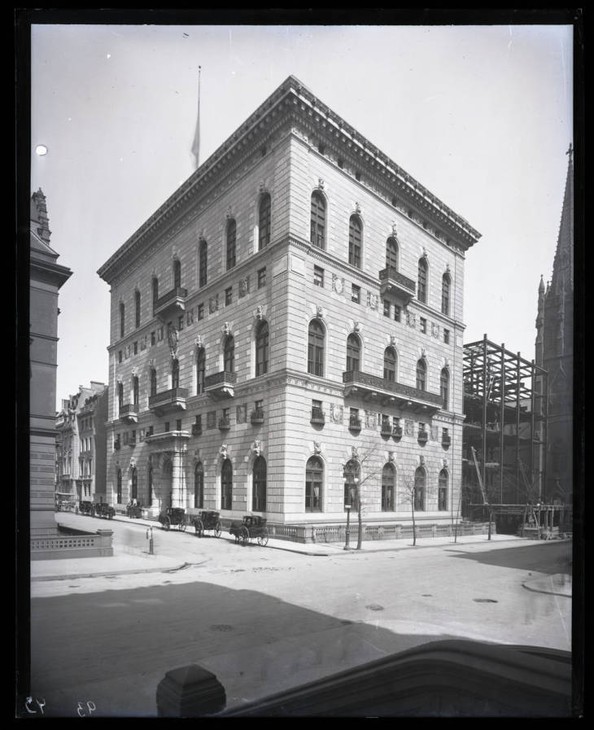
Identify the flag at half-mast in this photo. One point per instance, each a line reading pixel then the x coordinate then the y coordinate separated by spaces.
pixel 196 142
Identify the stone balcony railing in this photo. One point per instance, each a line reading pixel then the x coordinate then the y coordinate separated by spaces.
pixel 221 384
pixel 168 401
pixel 129 412
pixel 170 304
pixel 394 283
pixel 389 391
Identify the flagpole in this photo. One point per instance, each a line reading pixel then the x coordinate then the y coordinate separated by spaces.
pixel 196 143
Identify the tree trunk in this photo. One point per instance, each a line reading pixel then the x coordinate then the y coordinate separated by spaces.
pixel 359 524
pixel 413 521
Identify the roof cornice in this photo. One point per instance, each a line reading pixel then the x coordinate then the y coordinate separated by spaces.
pixel 297 105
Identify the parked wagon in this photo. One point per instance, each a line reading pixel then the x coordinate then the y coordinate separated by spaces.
pixel 252 527
pixel 207 520
pixel 102 509
pixel 174 517
pixel 86 508
pixel 134 511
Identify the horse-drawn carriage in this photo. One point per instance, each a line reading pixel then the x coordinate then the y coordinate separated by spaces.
pixel 207 520
pixel 251 527
pixel 86 508
pixel 102 509
pixel 174 517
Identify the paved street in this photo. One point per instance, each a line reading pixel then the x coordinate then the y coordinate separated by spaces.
pixel 264 620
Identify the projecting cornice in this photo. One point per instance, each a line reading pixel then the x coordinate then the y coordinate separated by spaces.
pixel 294 105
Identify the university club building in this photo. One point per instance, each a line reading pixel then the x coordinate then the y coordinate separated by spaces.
pixel 286 332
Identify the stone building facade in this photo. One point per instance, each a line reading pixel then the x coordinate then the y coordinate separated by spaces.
pixel 286 331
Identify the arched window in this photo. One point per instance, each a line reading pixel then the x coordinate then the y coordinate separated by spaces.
pixel 135 390
pixel 137 308
pixel 444 388
pixel 264 221
pixel 226 484
pixel 314 477
pixel 153 381
pixel 388 487
pixel 442 491
pixel 203 263
pixel 229 354
pixel 392 253
pixel 231 243
pixel 259 485
pixel 352 472
pixel 353 359
pixel 122 318
pixel 421 375
pixel 355 238
pixel 134 491
pixel 390 364
pixel 119 486
pixel 318 219
pixel 262 348
pixel 155 286
pixel 199 485
pixel 175 373
pixel 176 273
pixel 315 348
pixel 419 496
pixel 200 370
pixel 422 280
pixel 445 293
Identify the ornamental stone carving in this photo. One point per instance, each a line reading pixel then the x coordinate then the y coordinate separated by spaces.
pixel 259 312
pixel 445 462
pixel 321 183
pixel 244 286
pixel 317 447
pixel 354 452
pixel 223 451
pixel 391 457
pixel 226 328
pixel 336 413
pixel 257 448
pixel 435 329
pixel 372 300
pixel 421 460
pixel 409 427
pixel 213 304
pixel 337 284
pixel 172 340
pixel 320 313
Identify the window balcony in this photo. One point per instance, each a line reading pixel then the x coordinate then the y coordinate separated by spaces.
pixel 132 441
pixel 389 392
pixel 397 433
pixel 395 284
pixel 196 429
pixel 171 304
pixel 117 443
pixel 224 423
pixel 168 401
pixel 446 440
pixel 386 429
pixel 422 437
pixel 129 413
pixel 317 417
pixel 257 417
pixel 220 385
pixel 354 423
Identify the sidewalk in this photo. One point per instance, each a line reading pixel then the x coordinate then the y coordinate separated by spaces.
pixel 127 563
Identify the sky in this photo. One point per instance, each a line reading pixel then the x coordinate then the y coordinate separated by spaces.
pixel 479 115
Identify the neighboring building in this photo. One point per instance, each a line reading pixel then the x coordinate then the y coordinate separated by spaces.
pixel 81 445
pixel 554 352
pixel 288 322
pixel 46 279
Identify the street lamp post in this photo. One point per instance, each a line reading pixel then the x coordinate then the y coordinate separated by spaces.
pixel 347 545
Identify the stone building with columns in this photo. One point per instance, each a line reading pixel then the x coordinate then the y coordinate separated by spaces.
pixel 287 327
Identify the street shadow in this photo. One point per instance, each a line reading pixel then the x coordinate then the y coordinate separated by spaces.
pixel 104 654
pixel 542 558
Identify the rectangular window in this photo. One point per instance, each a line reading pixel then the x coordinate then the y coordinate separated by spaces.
pixel 120 356
pixel 318 276
pixel 261 277
pixel 386 308
pixel 228 296
pixel 136 348
pixel 153 338
pixel 355 294
pixel 178 424
pixel 200 313
pixel 180 322
pixel 423 324
pixel 211 419
pixel 446 336
pixel 397 312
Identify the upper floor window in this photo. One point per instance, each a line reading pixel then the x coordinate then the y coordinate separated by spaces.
pixel 419 489
pixel 390 364
pixel 176 273
pixel 355 238
pixel 314 478
pixel 445 293
pixel 315 348
pixel 421 374
pixel 264 218
pixel 203 263
pixel 392 253
pixel 444 387
pixel 175 373
pixel 200 370
pixel 388 482
pixel 122 318
pixel 137 308
pixel 262 349
pixel 422 280
pixel 229 354
pixel 231 243
pixel 318 276
pixel 135 390
pixel 153 381
pixel 155 292
pixel 120 395
pixel 318 219
pixel 261 277
pixel 353 359
pixel 442 491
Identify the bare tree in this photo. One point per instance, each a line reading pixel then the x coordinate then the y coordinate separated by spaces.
pixel 359 471
pixel 409 496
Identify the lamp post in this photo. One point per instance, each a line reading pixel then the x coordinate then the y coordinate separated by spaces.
pixel 347 545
